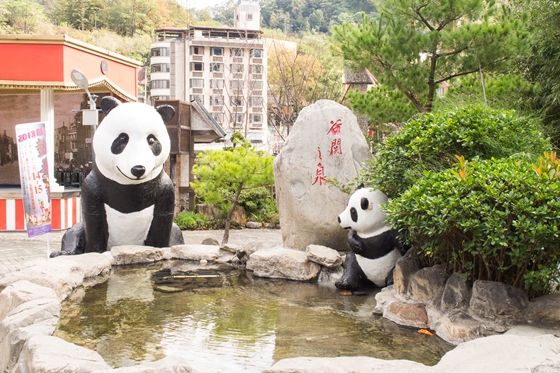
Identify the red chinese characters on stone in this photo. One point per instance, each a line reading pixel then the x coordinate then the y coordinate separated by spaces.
pixel 320 175
pixel 336 146
pixel 335 127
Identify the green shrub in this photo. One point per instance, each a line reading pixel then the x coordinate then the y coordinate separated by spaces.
pixel 431 141
pixel 492 220
pixel 190 220
pixel 259 205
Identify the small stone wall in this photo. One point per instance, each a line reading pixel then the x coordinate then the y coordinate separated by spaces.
pixel 30 304
pixel 457 310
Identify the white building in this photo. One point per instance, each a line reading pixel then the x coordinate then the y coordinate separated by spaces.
pixel 222 67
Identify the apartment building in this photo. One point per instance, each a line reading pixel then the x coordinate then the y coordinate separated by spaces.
pixel 224 68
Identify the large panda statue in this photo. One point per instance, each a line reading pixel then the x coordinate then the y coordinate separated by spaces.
pixel 127 198
pixel 374 246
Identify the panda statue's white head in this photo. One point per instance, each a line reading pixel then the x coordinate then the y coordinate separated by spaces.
pixel 131 144
pixel 364 213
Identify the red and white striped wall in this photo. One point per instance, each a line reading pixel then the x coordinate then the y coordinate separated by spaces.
pixel 65 213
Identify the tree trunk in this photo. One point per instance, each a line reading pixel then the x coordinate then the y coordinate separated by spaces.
pixel 225 239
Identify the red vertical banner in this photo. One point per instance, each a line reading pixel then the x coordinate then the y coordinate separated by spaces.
pixel 34 176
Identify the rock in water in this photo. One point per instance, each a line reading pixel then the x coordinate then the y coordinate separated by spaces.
pixel 325 143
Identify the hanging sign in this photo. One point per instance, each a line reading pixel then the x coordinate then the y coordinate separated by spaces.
pixel 34 176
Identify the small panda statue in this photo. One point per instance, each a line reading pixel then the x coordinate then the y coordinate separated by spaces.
pixel 127 198
pixel 374 246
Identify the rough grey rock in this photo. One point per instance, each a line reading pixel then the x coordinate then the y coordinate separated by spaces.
pixel 491 299
pixel 427 284
pixel 323 255
pixel 196 252
pixel 243 253
pixel 504 354
pixel 456 293
pixel 170 364
pixel 458 327
pixel 285 263
pixel 383 298
pixel 358 364
pixel 407 314
pixel 406 266
pixel 92 264
pixel 254 225
pixel 46 354
pixel 210 241
pixel 37 316
pixel 135 254
pixel 20 292
pixel 308 206
pixel 60 276
pixel 544 310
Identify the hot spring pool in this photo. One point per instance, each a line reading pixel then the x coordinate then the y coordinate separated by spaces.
pixel 225 320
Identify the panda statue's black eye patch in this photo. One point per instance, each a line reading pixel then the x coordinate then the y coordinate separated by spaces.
pixel 364 203
pixel 354 215
pixel 119 143
pixel 154 144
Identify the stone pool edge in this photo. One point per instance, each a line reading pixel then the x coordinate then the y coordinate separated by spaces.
pixel 30 305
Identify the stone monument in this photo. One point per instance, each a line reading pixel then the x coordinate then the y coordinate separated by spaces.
pixel 325 143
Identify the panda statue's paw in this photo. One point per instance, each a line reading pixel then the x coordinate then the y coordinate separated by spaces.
pixel 54 254
pixel 347 283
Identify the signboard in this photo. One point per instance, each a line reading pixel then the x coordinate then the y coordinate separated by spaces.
pixel 34 176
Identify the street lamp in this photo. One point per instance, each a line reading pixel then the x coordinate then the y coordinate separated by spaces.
pixel 89 116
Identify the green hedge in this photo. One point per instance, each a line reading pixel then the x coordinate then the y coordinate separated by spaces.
pixel 189 220
pixel 431 141
pixel 492 220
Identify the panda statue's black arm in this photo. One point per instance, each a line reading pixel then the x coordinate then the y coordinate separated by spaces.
pixel 160 229
pixel 373 247
pixel 94 214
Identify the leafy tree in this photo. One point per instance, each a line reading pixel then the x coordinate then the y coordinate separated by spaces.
pixel 542 63
pixel 223 174
pixel 414 46
pixel 20 16
pixel 299 77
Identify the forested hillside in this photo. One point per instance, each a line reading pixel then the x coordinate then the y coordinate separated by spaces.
pixel 295 17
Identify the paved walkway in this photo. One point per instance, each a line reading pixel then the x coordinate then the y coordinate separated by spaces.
pixel 18 251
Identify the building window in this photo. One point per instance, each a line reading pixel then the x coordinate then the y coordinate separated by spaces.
pixel 160 52
pixel 218 117
pixel 236 101
pixel 236 52
pixel 160 98
pixel 236 67
pixel 197 83
pixel 256 118
pixel 256 101
pixel 257 85
pixel 217 67
pixel 216 83
pixel 198 97
pixel 258 53
pixel 197 50
pixel 256 69
pixel 216 51
pixel 160 68
pixel 237 118
pixel 197 66
pixel 249 16
pixel 216 100
pixel 159 84
pixel 236 84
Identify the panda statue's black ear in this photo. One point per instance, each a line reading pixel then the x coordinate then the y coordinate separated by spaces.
pixel 361 186
pixel 167 112
pixel 108 103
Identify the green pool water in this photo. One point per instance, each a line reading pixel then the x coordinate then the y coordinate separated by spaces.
pixel 230 322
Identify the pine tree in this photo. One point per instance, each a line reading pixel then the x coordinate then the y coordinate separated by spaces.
pixel 414 45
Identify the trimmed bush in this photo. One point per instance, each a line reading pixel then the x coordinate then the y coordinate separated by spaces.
pixel 431 141
pixel 494 220
pixel 189 220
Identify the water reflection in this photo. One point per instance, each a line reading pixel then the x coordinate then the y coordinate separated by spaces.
pixel 238 324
